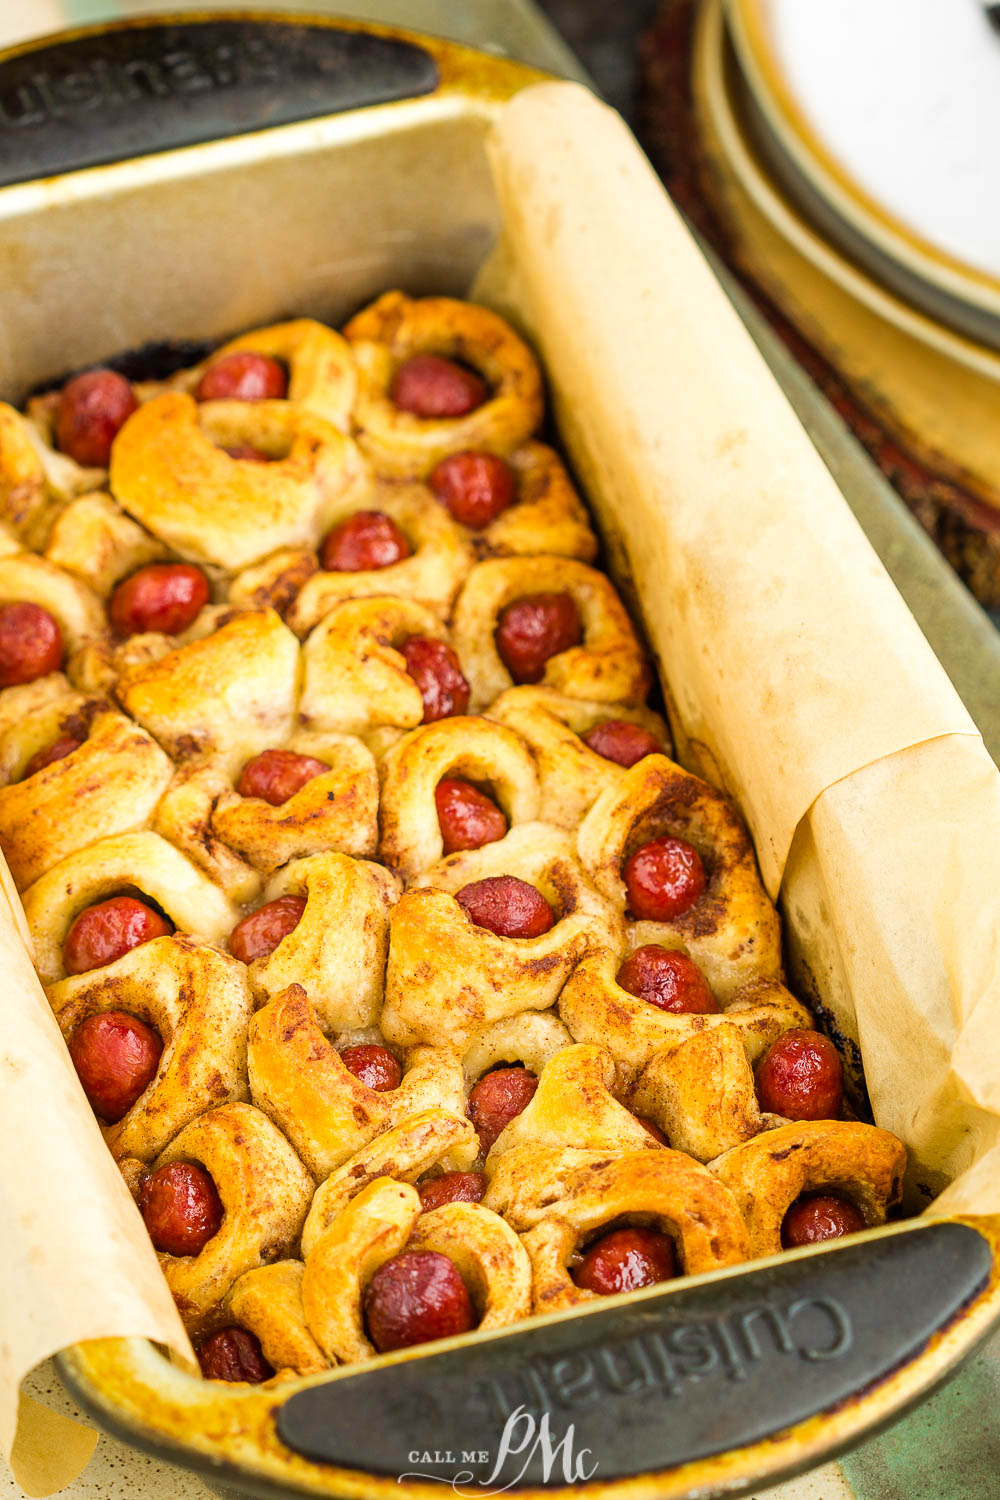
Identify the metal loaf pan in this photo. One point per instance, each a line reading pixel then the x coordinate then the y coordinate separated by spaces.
pixel 140 199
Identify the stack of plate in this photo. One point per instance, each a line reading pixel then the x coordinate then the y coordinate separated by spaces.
pixel 852 156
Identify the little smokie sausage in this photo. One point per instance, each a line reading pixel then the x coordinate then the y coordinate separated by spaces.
pixel 116 1056
pixel 506 906
pixel 823 1216
pixel 31 643
pixel 467 817
pixel 261 932
pixel 374 1065
pixel 626 1259
pixel 622 742
pixel 92 409
pixel 243 376
pixel 474 487
pixel 533 629
pixel 664 879
pixel 109 930
pixel 801 1077
pixel 667 979
pixel 181 1208
pixel 451 1187
pixel 165 597
pixel 233 1354
pixel 498 1098
pixel 435 669
pixel 49 754
pixel 428 385
pixel 368 539
pixel 276 775
pixel 415 1297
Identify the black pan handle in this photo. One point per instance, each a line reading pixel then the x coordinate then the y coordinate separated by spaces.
pixel 659 1382
pixel 111 93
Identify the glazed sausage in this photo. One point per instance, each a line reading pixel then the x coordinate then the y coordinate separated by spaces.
pixel 663 879
pixel 626 1259
pixel 234 1354
pixel 276 775
pixel 800 1076
pixel 116 1056
pixel 261 932
pixel 415 1297
pixel 667 979
pixel 375 1066
pixel 31 643
pixel 507 906
pixel 451 1187
pixel 498 1098
pixel 474 487
pixel 181 1207
pixel 165 597
pixel 92 409
pixel 109 930
pixel 49 754
pixel 368 539
pixel 467 817
pixel 428 385
pixel 435 669
pixel 243 376
pixel 248 455
pixel 533 629
pixel 822 1216
pixel 624 743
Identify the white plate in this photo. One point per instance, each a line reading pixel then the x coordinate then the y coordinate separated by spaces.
pixel 882 117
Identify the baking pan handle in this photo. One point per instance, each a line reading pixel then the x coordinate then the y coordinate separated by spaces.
pixel 653 1383
pixel 110 93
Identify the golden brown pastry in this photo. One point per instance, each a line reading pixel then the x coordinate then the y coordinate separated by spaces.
pixel 767 1174
pixel 197 1000
pixel 394 329
pixel 319 364
pixel 268 1302
pixel 575 1105
pixel 98 543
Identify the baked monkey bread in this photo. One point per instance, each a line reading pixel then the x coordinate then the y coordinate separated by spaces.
pixel 413 984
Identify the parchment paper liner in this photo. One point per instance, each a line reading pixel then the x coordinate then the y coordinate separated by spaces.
pixel 796 677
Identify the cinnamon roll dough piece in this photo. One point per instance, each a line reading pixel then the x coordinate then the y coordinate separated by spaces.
pixel 463 746
pixel 35 481
pixel 338 950
pixel 98 543
pixel 265 1192
pixel 532 1038
pixel 732 932
pixel 574 1105
pixel 110 784
pixel 371 1230
pixel 488 1254
pixel 447 979
pixel 232 692
pixel 198 1000
pixel 664 1189
pixel 320 363
pixel 171 472
pixel 298 1079
pixel 268 1303
pixel 700 1092
pixel 433 1138
pixel 355 674
pixel 596 1009
pixel 609 665
pixel 128 861
pixel 548 517
pixel 765 1175
pixel 432 575
pixel 396 327
pixel 76 608
pixel 571 775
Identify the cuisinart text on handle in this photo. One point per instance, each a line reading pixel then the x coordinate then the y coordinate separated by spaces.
pixel 104 82
pixel 664 1359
